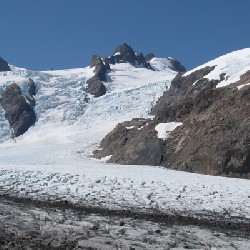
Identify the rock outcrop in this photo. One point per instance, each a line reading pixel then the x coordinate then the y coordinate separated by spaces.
pixel 214 138
pixel 122 54
pixel 176 65
pixel 132 143
pixel 173 63
pixel 18 111
pixel 4 65
pixel 100 67
pixel 182 88
pixel 32 87
pixel 125 54
pixel 95 85
pixel 149 57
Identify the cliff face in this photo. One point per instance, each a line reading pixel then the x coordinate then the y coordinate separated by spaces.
pixel 214 137
pixel 18 111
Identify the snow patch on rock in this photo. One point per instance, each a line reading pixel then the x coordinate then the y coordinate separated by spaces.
pixel 164 129
pixel 243 85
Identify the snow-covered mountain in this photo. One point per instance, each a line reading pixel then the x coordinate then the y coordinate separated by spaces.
pixel 51 160
pixel 66 113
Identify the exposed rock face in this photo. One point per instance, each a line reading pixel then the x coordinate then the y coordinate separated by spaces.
pixel 32 87
pixel 18 112
pixel 182 88
pixel 176 65
pixel 132 143
pixel 122 54
pixel 32 92
pixel 4 65
pixel 95 61
pixel 95 85
pixel 100 68
pixel 149 56
pixel 140 60
pixel 214 138
pixel 125 54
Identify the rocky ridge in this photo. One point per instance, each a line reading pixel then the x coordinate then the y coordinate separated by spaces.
pixel 122 54
pixel 95 85
pixel 214 138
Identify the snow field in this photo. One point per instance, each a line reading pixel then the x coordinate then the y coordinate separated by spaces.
pixel 233 64
pixel 130 187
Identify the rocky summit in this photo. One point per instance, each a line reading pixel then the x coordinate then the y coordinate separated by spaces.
pixel 125 54
pixel 122 54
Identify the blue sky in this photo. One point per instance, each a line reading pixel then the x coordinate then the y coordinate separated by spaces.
pixel 61 34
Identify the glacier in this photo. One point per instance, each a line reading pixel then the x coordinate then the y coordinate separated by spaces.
pixel 52 160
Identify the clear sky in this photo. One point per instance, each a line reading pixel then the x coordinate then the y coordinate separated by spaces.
pixel 62 34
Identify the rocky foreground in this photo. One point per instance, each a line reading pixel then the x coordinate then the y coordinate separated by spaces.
pixel 29 225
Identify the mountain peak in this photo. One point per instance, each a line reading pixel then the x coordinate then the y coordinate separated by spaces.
pixel 124 50
pixel 125 54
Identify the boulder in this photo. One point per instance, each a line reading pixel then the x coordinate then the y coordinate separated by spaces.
pixel 4 65
pixel 18 112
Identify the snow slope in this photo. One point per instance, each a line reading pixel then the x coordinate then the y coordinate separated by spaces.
pixel 60 96
pixel 233 64
pixel 51 161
